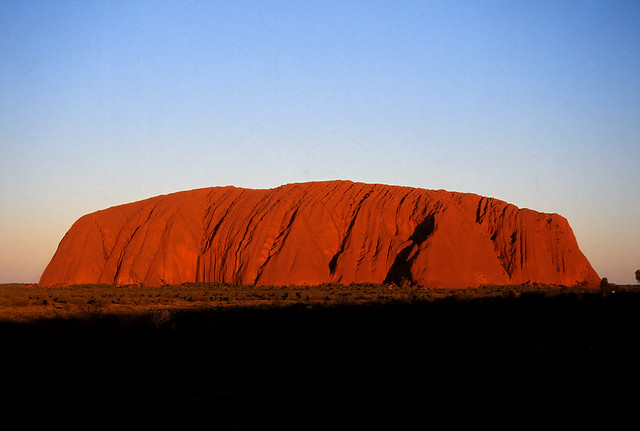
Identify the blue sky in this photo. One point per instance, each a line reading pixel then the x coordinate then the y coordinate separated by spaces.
pixel 107 102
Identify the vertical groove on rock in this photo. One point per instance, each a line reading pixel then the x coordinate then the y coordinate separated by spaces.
pixel 334 260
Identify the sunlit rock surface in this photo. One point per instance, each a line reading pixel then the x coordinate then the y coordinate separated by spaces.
pixel 319 232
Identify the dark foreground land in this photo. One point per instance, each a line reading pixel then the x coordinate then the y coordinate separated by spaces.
pixel 513 358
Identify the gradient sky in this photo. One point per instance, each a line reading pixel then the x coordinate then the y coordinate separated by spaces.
pixel 107 102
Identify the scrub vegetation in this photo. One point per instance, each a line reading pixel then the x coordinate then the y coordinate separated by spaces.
pixel 20 302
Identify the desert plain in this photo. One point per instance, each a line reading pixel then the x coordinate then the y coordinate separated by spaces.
pixel 316 357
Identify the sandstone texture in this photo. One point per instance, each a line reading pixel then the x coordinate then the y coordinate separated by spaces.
pixel 320 232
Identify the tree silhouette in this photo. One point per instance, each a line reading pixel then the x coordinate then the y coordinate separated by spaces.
pixel 604 286
pixel 638 275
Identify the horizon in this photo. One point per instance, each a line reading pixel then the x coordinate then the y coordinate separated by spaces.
pixel 106 103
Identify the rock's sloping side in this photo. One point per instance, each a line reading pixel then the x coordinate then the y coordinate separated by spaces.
pixel 319 232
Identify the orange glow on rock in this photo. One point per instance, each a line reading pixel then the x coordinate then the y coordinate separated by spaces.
pixel 319 232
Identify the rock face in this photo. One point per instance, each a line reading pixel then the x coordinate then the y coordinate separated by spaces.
pixel 319 232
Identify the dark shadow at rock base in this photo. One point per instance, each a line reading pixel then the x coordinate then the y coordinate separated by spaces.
pixel 491 361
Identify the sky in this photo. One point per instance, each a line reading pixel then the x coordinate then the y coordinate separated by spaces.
pixel 107 102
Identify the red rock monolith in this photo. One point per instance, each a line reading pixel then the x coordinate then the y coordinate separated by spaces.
pixel 320 232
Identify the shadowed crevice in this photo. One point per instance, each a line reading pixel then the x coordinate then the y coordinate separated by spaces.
pixel 423 230
pixel 400 271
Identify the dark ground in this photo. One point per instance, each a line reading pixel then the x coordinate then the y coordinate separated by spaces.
pixel 567 360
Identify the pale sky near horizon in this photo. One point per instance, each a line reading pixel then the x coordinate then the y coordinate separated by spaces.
pixel 107 102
